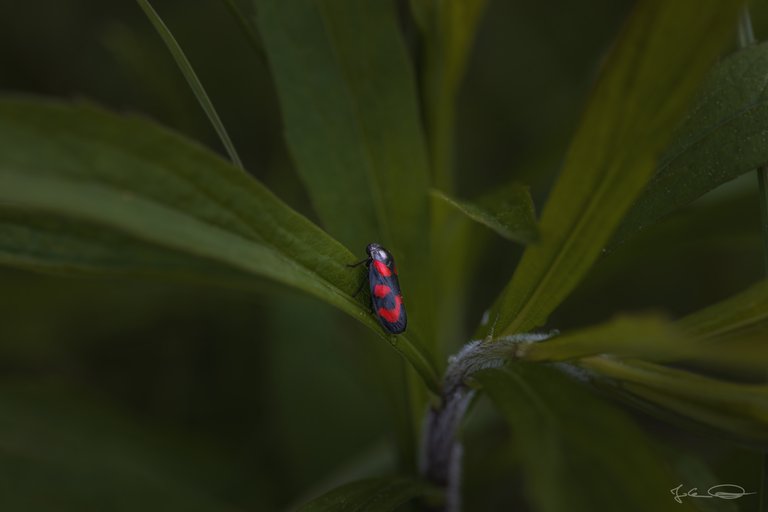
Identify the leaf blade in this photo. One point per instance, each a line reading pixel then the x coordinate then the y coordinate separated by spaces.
pixel 719 141
pixel 192 80
pixel 630 116
pixel 511 215
pixel 130 175
pixel 560 426
pixel 374 494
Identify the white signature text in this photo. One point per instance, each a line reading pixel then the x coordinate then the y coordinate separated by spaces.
pixel 722 491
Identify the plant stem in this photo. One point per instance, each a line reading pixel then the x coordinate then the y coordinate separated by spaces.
pixel 747 38
pixel 441 446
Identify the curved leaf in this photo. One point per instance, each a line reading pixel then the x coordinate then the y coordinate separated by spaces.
pixel 745 310
pixel 374 495
pixel 740 409
pixel 655 338
pixel 192 80
pixel 722 138
pixel 128 175
pixel 349 106
pixel 510 213
pixel 577 452
pixel 643 90
pixel 448 30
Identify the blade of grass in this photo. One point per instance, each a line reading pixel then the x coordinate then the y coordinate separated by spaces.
pixel 194 82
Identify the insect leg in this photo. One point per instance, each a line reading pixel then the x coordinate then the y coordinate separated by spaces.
pixel 358 263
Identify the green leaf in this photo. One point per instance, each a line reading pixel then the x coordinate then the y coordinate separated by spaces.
pixel 352 124
pixel 448 29
pixel 510 214
pixel 54 244
pixel 374 495
pixel 194 83
pixel 744 311
pixel 577 452
pixel 736 408
pixel 721 139
pixel 654 338
pixel 644 88
pixel 129 176
pixel 67 451
pixel 348 99
pixel 650 336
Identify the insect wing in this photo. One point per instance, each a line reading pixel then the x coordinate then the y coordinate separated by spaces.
pixel 386 298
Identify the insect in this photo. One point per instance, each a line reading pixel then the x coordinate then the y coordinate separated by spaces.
pixel 386 299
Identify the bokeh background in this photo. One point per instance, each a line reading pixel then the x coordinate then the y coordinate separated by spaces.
pixel 162 395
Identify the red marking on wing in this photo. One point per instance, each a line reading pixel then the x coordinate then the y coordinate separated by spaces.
pixel 381 268
pixel 381 290
pixel 392 315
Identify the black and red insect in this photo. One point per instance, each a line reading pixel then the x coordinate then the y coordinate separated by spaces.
pixel 386 299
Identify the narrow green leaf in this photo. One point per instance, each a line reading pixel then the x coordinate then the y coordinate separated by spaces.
pixel 643 90
pixel 510 215
pixel 653 338
pixel 722 138
pixel 740 409
pixel 246 26
pixel 650 336
pixel 348 98
pixel 127 175
pixel 194 83
pixel 448 29
pixel 570 441
pixel 743 311
pixel 374 495
pixel 55 244
pixel 352 123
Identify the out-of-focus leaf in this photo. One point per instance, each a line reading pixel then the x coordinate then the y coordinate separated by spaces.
pixel 650 336
pixel 592 454
pixel 62 451
pixel 746 310
pixel 448 29
pixel 511 216
pixel 740 409
pixel 55 244
pixel 352 123
pixel 654 338
pixel 374 495
pixel 130 176
pixel 663 268
pixel 349 107
pixel 723 137
pixel 644 88
pixel 194 83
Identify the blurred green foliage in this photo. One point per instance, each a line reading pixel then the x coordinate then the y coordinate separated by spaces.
pixel 129 393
